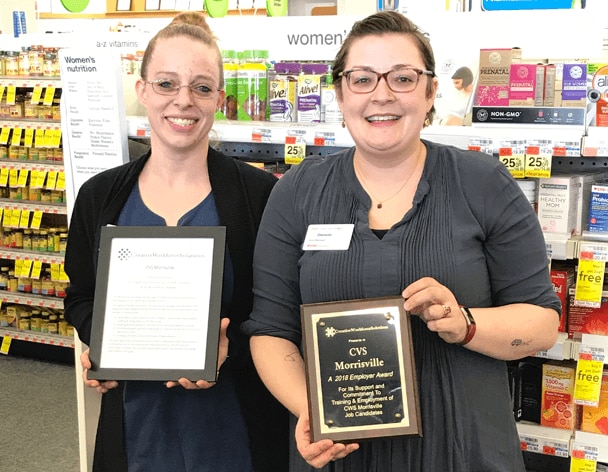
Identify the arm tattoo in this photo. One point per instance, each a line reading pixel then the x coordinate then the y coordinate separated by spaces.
pixel 292 357
pixel 520 342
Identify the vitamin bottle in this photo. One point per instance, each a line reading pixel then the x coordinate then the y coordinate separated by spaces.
pixel 282 91
pixel 252 87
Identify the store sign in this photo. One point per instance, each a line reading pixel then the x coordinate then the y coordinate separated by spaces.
pixel 532 4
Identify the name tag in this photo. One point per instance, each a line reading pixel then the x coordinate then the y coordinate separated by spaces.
pixel 328 237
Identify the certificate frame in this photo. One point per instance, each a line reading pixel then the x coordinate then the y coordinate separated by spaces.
pixel 156 311
pixel 358 398
pixel 123 5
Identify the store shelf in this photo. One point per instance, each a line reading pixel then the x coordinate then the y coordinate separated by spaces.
pixel 30 82
pixel 40 338
pixel 31 300
pixel 561 350
pixel 594 446
pixel 45 166
pixel 57 209
pixel 45 257
pixel 544 440
pixel 595 143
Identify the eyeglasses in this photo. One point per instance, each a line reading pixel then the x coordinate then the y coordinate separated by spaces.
pixel 168 87
pixel 398 80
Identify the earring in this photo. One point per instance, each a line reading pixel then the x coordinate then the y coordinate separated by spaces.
pixel 343 124
pixel 427 122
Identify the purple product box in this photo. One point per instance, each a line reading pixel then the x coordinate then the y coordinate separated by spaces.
pixel 574 82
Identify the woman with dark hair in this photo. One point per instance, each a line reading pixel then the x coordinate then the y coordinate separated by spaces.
pixel 448 230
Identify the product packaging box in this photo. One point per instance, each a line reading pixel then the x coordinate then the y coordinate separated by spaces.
pixel 563 279
pixel 557 204
pixel 588 320
pixel 515 389
pixel 526 85
pixel 574 84
pixel 494 73
pixel 597 94
pixel 595 419
pixel 549 88
pixel 530 391
pixel 598 209
pixel 557 404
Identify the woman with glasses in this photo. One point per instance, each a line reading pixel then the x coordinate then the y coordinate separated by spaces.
pixel 447 230
pixel 230 425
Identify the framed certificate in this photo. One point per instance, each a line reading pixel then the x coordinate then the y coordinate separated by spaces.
pixel 360 370
pixel 156 313
pixel 123 5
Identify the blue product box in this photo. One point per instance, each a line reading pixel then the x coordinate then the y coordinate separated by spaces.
pixel 598 209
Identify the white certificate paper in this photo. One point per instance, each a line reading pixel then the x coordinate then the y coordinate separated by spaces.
pixel 157 303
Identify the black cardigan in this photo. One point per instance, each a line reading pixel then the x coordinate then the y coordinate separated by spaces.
pixel 240 192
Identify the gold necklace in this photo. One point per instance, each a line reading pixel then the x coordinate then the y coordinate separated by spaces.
pixel 366 187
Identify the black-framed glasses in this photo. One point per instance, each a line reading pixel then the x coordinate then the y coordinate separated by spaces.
pixel 169 87
pixel 398 80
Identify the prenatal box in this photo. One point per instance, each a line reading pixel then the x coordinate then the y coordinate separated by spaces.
pixel 494 72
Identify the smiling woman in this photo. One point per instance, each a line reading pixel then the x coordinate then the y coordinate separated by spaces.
pixel 233 424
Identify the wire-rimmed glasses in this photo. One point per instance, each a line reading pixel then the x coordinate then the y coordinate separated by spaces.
pixel 169 87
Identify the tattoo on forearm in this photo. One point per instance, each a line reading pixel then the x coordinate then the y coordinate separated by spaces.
pixel 520 342
pixel 292 357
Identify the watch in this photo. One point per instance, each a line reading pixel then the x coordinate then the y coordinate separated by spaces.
pixel 471 326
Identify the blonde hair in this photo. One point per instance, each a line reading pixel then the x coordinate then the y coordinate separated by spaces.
pixel 193 18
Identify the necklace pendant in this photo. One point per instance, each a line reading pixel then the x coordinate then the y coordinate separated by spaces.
pixel 379 205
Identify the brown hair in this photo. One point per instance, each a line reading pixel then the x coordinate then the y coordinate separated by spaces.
pixel 386 22
pixel 192 31
pixel 195 18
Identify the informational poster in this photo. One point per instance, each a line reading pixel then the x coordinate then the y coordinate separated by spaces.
pixel 93 116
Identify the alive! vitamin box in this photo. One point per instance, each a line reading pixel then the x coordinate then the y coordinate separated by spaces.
pixel 595 419
pixel 557 402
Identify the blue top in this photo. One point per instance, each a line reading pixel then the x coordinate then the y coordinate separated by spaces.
pixel 173 428
pixel 472 229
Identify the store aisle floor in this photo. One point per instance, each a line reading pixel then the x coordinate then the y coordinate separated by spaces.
pixel 38 416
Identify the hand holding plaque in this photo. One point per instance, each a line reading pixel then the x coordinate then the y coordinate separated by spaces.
pixel 360 369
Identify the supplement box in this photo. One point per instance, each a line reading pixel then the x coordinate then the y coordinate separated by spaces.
pixel 526 85
pixel 597 94
pixel 557 204
pixel 557 403
pixel 574 85
pixel 595 419
pixel 588 320
pixel 494 75
pixel 563 279
pixel 598 209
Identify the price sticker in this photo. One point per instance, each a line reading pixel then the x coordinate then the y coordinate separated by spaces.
pixel 588 291
pixel 11 92
pixel 36 269
pixel 6 344
pixel 60 185
pixel 589 369
pixel 36 219
pixel 538 162
pixel 49 93
pixel 3 176
pixel 513 161
pixel 28 140
pixel 529 443
pixel 22 178
pixel 13 177
pixel 55 272
pixel 36 94
pixel 19 268
pixel 63 277
pixel 15 218
pixel 2 87
pixel 4 135
pixel 55 138
pixel 51 180
pixel 582 465
pixel 6 217
pixel 16 138
pixel 295 149
pixel 325 138
pixel 261 135
pixel 39 138
pixel 24 219
pixel 26 269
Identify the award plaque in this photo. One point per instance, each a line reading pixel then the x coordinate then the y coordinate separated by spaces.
pixel 360 370
pixel 156 312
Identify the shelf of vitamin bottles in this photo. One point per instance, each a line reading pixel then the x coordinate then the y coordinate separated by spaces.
pixel 52 208
pixel 34 337
pixel 18 254
pixel 19 298
pixel 29 82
